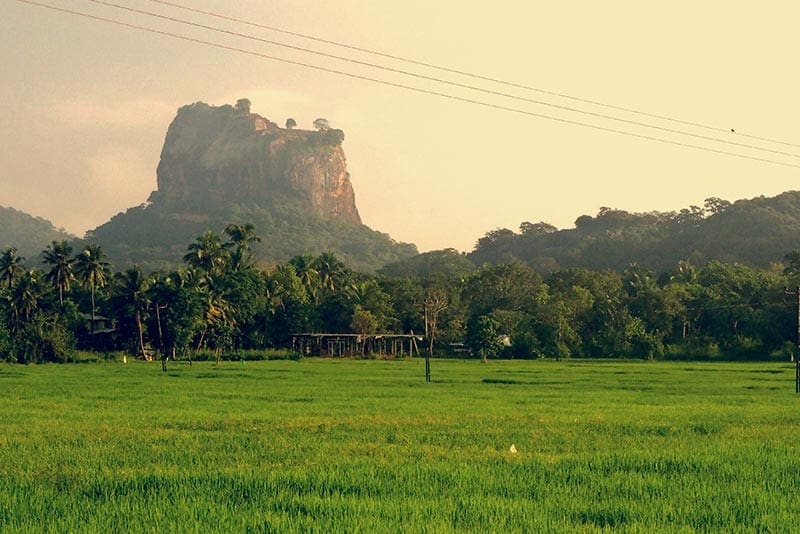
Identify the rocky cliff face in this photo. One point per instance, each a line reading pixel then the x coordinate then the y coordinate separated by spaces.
pixel 224 164
pixel 215 156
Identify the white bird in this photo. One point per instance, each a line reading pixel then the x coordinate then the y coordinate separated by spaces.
pixel 513 449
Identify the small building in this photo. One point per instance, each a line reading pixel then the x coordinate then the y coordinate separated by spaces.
pixel 99 332
pixel 99 325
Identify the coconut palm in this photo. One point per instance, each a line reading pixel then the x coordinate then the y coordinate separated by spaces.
pixel 241 237
pixel 10 265
pixel 217 312
pixel 58 256
pixel 685 273
pixel 25 296
pixel 305 270
pixel 175 304
pixel 93 271
pixel 206 253
pixel 332 272
pixel 132 286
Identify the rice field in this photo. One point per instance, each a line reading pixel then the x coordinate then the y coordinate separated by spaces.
pixel 334 446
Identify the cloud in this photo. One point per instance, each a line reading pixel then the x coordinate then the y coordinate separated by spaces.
pixel 108 181
pixel 119 177
pixel 132 113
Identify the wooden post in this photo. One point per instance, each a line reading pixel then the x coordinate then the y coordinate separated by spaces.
pixel 427 367
pixel 412 347
pixel 428 362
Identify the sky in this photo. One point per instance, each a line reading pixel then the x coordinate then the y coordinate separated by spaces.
pixel 86 104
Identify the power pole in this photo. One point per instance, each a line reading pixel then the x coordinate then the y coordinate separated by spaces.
pixel 796 293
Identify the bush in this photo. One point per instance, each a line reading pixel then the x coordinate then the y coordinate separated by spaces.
pixel 44 339
pixel 7 352
pixel 785 353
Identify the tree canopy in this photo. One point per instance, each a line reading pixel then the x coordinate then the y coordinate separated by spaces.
pixel 754 232
pixel 220 302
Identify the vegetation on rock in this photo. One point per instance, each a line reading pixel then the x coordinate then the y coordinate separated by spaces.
pixel 223 164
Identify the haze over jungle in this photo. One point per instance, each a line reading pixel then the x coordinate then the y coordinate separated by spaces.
pixel 89 103
pixel 226 163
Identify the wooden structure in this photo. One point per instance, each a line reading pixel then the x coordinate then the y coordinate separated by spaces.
pixel 329 344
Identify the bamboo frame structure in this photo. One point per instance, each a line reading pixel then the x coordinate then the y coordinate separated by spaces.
pixel 348 345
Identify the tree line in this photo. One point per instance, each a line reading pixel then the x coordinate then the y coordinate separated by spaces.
pixel 221 301
pixel 756 232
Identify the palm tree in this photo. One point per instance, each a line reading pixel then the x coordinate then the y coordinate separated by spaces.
pixel 685 273
pixel 206 253
pixel 638 279
pixel 57 255
pixel 132 286
pixel 217 312
pixel 93 271
pixel 241 236
pixel 10 265
pixel 332 272
pixel 158 292
pixel 304 269
pixel 174 299
pixel 25 297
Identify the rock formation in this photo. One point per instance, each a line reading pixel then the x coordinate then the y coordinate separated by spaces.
pixel 214 156
pixel 223 164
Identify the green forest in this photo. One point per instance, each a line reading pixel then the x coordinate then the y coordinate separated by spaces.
pixel 155 238
pixel 26 232
pixel 221 304
pixel 754 231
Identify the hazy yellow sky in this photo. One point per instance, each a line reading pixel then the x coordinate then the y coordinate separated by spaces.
pixel 86 104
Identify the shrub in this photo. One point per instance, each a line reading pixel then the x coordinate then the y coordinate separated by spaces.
pixel 44 339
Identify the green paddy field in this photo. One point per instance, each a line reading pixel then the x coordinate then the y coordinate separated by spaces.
pixel 343 446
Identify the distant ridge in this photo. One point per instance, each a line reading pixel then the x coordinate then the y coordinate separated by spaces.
pixel 27 233
pixel 755 232
pixel 225 164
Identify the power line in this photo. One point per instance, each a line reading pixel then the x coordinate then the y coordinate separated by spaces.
pixel 470 74
pixel 402 86
pixel 440 80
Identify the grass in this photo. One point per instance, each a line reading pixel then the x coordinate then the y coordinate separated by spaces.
pixel 326 445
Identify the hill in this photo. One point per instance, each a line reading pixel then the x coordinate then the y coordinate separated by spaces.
pixel 448 263
pixel 28 234
pixel 223 164
pixel 755 232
